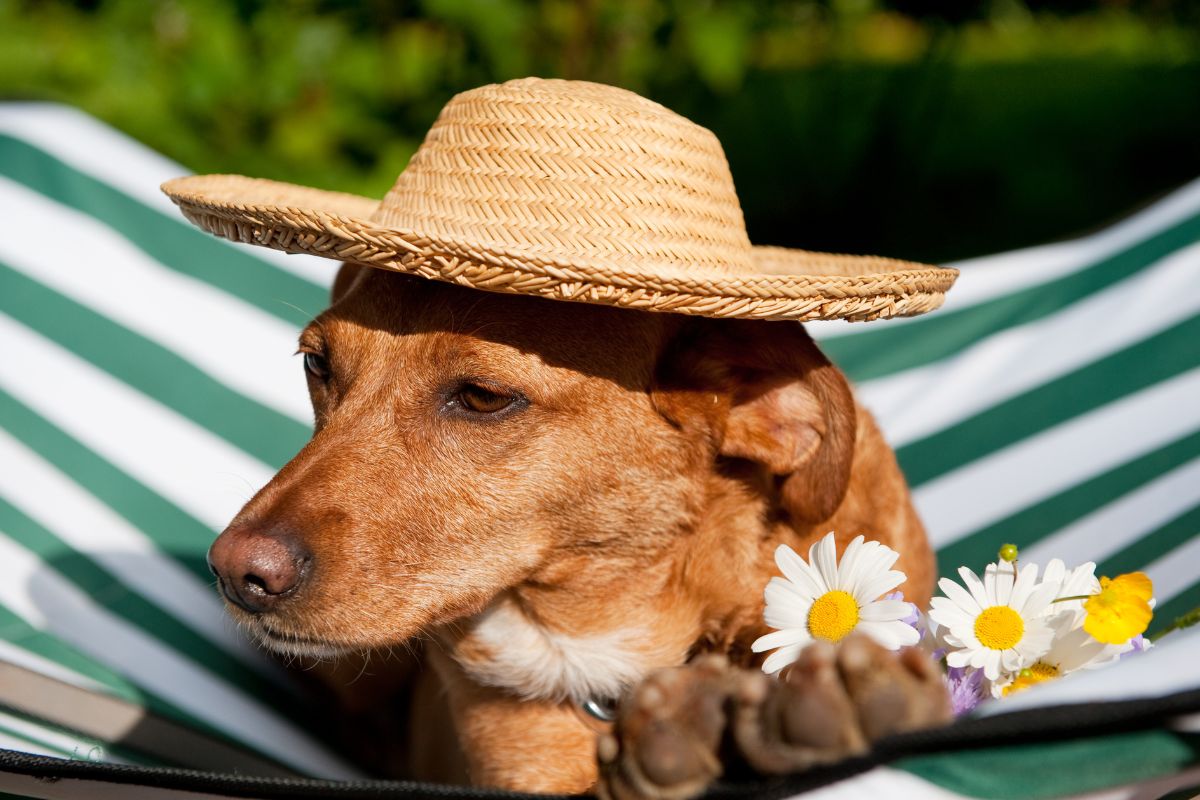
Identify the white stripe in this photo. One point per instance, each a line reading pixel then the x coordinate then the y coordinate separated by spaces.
pixel 233 341
pixel 111 157
pixel 1034 469
pixel 191 467
pixel 49 602
pixel 988 277
pixel 1176 571
pixel 881 782
pixel 13 654
pixel 1124 521
pixel 25 746
pixel 78 748
pixel 57 503
pixel 918 402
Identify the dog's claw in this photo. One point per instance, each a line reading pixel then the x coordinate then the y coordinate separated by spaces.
pixel 832 703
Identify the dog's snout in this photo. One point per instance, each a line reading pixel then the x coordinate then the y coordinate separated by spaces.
pixel 257 568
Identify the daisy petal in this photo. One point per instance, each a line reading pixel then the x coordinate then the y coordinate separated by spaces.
pixel 783 638
pixel 878 585
pixel 958 658
pixel 1082 580
pixel 1040 601
pixel 885 611
pixel 885 557
pixel 825 559
pixel 849 566
pixel 1055 572
pixel 781 658
pixel 879 558
pixel 892 635
pixel 1026 582
pixel 975 586
pixel 783 595
pixel 991 664
pixel 946 614
pixel 798 572
pixel 961 597
pixel 989 582
pixel 784 619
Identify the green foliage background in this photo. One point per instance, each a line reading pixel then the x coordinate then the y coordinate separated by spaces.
pixel 917 129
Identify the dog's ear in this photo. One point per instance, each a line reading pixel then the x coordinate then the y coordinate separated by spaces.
pixel 344 280
pixel 763 392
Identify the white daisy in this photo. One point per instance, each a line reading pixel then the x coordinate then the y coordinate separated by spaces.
pixel 998 624
pixel 822 599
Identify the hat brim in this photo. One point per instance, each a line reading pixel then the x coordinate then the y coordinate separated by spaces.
pixel 787 284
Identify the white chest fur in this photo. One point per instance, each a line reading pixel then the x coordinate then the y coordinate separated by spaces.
pixel 505 648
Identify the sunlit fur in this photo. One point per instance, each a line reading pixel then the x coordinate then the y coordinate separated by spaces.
pixel 625 519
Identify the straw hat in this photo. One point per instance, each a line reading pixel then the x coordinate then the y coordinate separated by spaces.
pixel 571 191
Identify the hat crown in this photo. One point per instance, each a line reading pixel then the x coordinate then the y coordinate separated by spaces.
pixel 567 173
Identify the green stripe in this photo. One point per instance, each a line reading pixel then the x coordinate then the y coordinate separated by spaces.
pixel 1153 545
pixel 1035 522
pixel 152 369
pixel 175 532
pixel 1177 606
pixel 885 350
pixel 171 241
pixel 107 591
pixel 1143 364
pixel 1047 769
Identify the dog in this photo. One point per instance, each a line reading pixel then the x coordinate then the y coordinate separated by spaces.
pixel 514 512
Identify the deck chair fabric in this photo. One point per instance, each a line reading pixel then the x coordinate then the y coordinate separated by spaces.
pixel 148 388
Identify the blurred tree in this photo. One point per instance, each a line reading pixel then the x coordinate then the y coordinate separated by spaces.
pixel 921 128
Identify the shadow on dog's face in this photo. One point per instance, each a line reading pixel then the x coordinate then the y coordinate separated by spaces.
pixel 464 442
pixel 467 442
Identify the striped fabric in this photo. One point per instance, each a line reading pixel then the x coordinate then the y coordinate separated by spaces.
pixel 147 388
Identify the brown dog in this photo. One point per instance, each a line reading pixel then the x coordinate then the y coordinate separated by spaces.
pixel 546 502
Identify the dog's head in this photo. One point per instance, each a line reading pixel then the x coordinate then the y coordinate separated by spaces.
pixel 468 442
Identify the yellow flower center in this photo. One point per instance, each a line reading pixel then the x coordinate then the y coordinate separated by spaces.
pixel 999 628
pixel 832 616
pixel 1031 676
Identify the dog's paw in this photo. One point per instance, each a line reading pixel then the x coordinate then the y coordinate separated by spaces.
pixel 833 703
pixel 892 692
pixel 667 733
pixel 681 727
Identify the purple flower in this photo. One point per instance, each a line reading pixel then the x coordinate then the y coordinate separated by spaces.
pixel 1140 644
pixel 914 614
pixel 965 685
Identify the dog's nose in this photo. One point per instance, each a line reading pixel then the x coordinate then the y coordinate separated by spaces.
pixel 257 568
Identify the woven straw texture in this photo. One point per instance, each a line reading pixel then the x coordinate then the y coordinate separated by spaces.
pixel 571 191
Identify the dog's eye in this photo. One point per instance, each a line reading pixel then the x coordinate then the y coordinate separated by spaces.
pixel 483 401
pixel 316 365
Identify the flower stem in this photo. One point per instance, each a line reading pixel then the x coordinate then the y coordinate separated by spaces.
pixel 1186 621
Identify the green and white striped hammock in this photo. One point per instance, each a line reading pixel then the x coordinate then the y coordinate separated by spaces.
pixel 147 388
